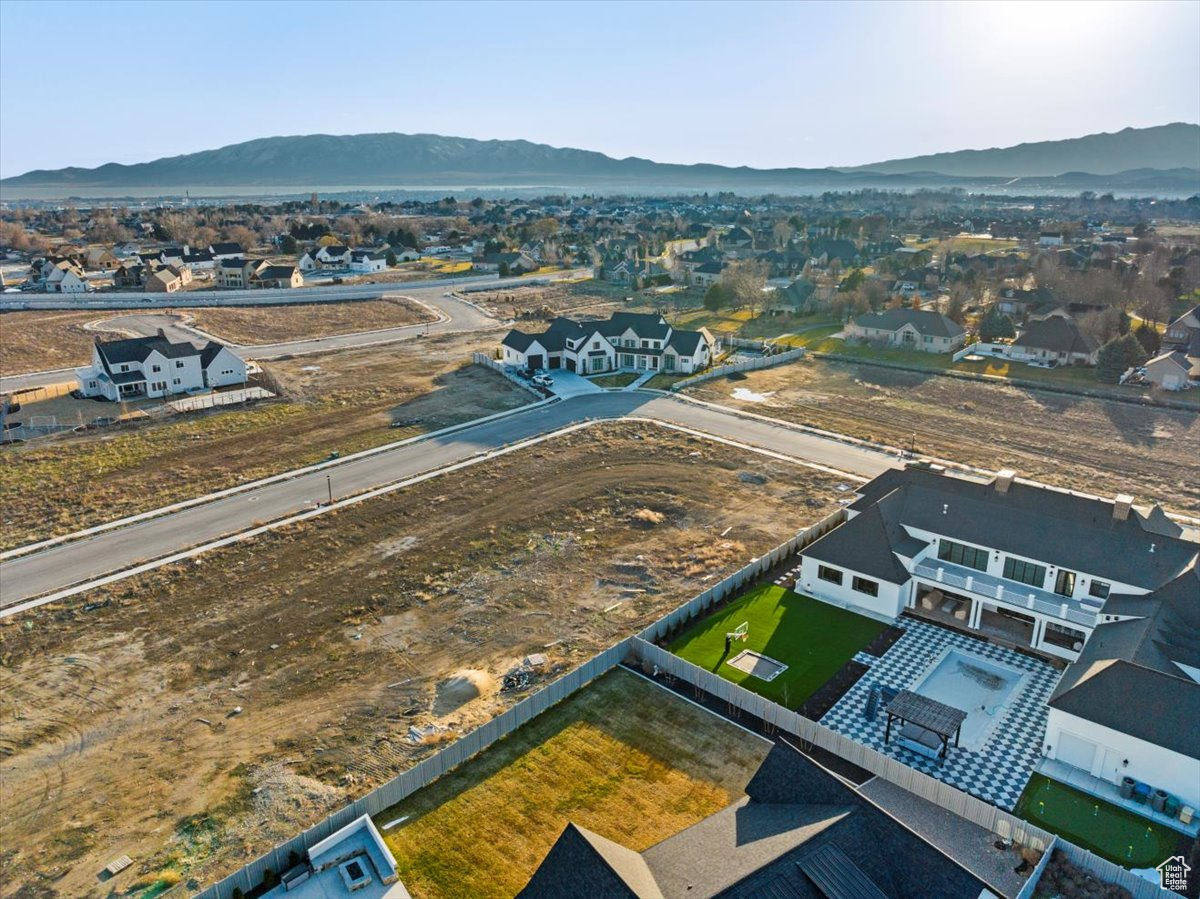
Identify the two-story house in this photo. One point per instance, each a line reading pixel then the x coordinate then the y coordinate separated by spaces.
pixel 238 273
pixel 628 340
pixel 154 366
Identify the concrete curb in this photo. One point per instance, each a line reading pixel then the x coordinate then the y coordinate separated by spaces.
pixel 263 482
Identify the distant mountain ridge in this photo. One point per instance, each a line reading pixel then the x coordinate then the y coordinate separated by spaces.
pixel 1151 158
pixel 1162 147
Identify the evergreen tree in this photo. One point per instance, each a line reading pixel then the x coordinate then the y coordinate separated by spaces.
pixel 1118 355
pixel 1149 338
pixel 996 325
pixel 716 298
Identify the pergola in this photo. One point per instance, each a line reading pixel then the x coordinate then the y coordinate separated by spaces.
pixel 929 717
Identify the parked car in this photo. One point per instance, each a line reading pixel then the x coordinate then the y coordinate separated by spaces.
pixel 543 380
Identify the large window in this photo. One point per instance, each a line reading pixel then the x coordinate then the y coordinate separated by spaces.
pixel 1025 572
pixel 1099 589
pixel 862 585
pixel 833 575
pixel 1064 584
pixel 1065 637
pixel 949 551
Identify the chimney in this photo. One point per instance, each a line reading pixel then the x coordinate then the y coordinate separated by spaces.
pixel 162 333
pixel 1004 480
pixel 1121 506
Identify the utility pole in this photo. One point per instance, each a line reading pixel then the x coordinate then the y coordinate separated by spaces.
pixel 329 487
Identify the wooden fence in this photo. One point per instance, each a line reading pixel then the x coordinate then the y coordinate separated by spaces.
pixel 721 371
pixel 423 773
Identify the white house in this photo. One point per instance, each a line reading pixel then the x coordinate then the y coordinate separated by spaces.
pixel 628 340
pixel 1170 371
pixel 1050 239
pixel 154 366
pixel 330 258
pixel 368 261
pixel 226 250
pixel 65 278
pixel 1107 586
pixel 913 329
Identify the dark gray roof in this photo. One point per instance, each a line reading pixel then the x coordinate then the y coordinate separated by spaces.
pixel 224 249
pixel 1128 676
pixel 1058 335
pixel 927 713
pixel 519 340
pixel 685 342
pixel 928 324
pixel 866 544
pixel 209 352
pixel 1050 526
pixel 583 865
pixel 836 875
pixel 646 325
pixel 128 377
pixel 136 349
pixel 277 273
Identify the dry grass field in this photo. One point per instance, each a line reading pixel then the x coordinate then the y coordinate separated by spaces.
pixel 43 341
pixel 1092 445
pixel 275 324
pixel 343 401
pixel 622 757
pixel 336 636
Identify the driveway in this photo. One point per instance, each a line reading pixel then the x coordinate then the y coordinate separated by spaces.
pixel 568 384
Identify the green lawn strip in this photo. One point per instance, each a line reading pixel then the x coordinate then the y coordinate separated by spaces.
pixel 814 639
pixel 664 381
pixel 621 757
pixel 1110 832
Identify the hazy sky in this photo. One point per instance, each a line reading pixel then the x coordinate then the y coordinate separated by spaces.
pixel 739 83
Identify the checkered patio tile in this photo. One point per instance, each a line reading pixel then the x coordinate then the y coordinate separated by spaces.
pixel 999 770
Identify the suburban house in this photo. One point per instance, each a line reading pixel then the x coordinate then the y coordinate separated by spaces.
pixel 65 277
pixel 1050 239
pixel 512 263
pixel 628 340
pixel 227 250
pixel 167 279
pixel 368 261
pixel 277 276
pixel 154 366
pixel 913 329
pixel 1055 339
pixel 128 274
pixel 100 259
pixel 329 258
pixel 198 260
pixel 237 273
pixel 1109 587
pixel 1184 332
pixel 1172 370
pixel 708 274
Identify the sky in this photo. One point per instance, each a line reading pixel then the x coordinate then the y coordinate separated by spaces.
pixel 736 83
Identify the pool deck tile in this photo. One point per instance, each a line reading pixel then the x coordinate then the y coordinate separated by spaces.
pixel 998 771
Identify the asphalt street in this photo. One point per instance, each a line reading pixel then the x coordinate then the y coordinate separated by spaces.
pixel 60 566
pixel 458 316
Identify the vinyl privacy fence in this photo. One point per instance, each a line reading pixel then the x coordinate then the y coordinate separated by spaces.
pixel 952 799
pixel 422 774
pixel 750 364
pixel 499 367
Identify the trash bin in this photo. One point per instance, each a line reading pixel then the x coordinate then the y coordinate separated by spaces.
pixel 1158 799
pixel 1141 792
pixel 1127 785
pixel 1171 807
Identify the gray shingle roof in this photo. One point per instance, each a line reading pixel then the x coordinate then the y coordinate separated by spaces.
pixel 137 349
pixel 1058 335
pixel 928 324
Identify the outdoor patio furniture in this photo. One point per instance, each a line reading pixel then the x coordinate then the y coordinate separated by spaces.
pixel 920 740
pixel 928 715
pixel 871 709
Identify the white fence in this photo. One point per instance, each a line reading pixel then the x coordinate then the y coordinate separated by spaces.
pixel 421 774
pixel 998 350
pixel 500 368
pixel 225 398
pixel 741 577
pixel 810 733
pixel 744 365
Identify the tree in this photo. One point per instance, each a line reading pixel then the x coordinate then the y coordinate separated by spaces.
pixel 744 282
pixel 716 298
pixel 1147 335
pixel 391 258
pixel 996 325
pixel 853 281
pixel 1118 355
pixel 288 244
pixel 954 307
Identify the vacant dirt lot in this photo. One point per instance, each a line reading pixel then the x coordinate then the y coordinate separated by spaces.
pixel 535 302
pixel 274 324
pixel 42 341
pixel 122 732
pixel 1070 441
pixel 343 401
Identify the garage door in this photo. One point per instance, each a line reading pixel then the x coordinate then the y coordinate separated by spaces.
pixel 535 361
pixel 555 362
pixel 1076 751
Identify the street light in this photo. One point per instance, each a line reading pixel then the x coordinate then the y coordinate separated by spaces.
pixel 329 487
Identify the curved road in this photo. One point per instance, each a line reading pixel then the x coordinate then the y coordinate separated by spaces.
pixel 49 570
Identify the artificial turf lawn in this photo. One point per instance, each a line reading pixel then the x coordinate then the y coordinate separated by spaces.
pixel 622 757
pixel 1094 824
pixel 814 639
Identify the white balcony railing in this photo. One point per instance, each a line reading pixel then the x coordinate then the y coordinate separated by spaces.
pixel 1018 596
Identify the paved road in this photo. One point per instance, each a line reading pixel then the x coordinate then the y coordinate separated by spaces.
pixel 458 316
pixel 52 569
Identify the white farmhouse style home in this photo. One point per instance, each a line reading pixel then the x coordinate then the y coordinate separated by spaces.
pixel 628 340
pixel 154 366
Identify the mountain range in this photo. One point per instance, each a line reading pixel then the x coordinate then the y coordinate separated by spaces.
pixel 1160 160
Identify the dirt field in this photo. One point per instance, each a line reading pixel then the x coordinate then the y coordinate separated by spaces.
pixel 1071 441
pixel 121 730
pixel 42 341
pixel 343 401
pixel 623 757
pixel 534 302
pixel 274 324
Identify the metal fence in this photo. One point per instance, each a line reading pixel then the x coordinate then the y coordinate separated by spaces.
pixel 423 773
pixel 500 368
pixel 741 577
pixel 810 733
pixel 744 365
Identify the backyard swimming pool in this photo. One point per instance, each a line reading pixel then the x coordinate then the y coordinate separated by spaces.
pixel 982 688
